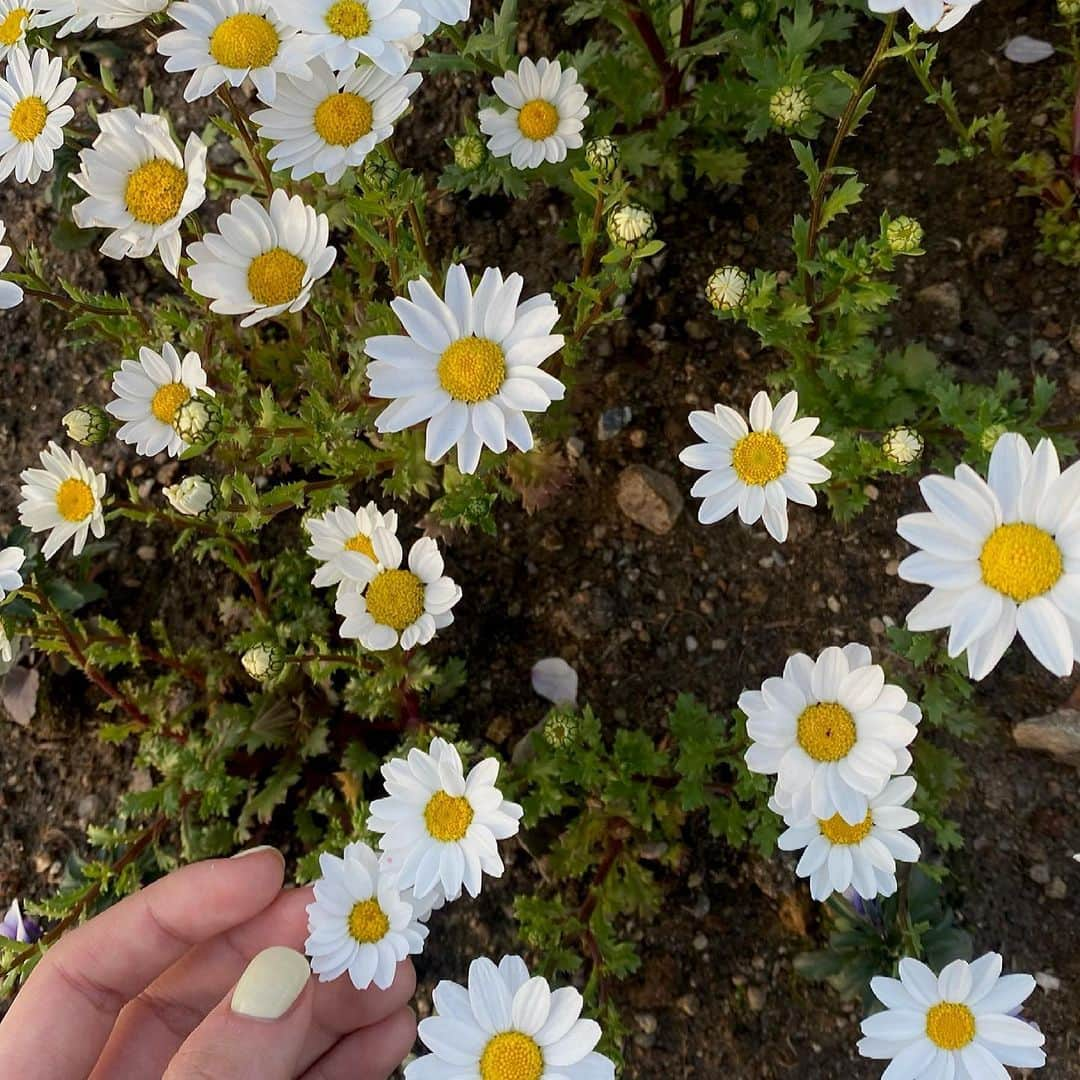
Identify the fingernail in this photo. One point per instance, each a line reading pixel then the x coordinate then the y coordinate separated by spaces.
pixel 256 850
pixel 271 983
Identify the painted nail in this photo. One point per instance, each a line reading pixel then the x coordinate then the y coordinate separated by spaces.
pixel 256 850
pixel 271 983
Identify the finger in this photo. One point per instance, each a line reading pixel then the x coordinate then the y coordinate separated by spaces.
pixel 151 1028
pixel 257 1031
pixel 92 973
pixel 372 1053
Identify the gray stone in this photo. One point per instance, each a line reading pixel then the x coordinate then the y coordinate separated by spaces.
pixel 649 498
pixel 612 421
pixel 941 303
pixel 1056 733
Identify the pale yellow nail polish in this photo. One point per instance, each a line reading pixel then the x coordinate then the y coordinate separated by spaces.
pixel 256 850
pixel 272 981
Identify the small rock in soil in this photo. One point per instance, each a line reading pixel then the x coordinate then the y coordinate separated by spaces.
pixel 649 498
pixel 1040 874
pixel 612 421
pixel 1057 733
pixel 940 303
pixel 1057 889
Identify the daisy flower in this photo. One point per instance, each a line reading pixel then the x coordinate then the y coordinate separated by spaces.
pixel 32 114
pixel 226 41
pixel 149 391
pixel 63 499
pixel 139 185
pixel 1002 556
pixel 11 560
pixel 756 470
pixel 341 542
pixel 359 921
pixel 16 17
pixel 508 1026
pixel 469 364
pixel 440 828
pixel 434 13
pixel 406 605
pixel 343 31
pixel 840 856
pixel 261 263
pixel 545 113
pixel 957 1024
pixel 72 14
pixel 116 14
pixel 330 122
pixel 10 293
pixel 927 15
pixel 832 730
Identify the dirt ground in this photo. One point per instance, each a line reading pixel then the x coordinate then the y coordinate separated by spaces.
pixel 706 610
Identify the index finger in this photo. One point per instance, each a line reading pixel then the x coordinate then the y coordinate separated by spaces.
pixel 58 1024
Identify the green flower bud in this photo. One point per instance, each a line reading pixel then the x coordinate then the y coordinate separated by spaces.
pixel 379 173
pixel 198 420
pixel 602 156
pixel 631 226
pixel 469 152
pixel 87 424
pixel 727 287
pixel 988 439
pixel 902 445
pixel 263 661
pixel 193 496
pixel 748 10
pixel 790 106
pixel 560 729
pixel 904 236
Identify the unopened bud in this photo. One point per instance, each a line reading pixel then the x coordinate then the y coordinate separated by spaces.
pixel 198 420
pixel 379 173
pixel 87 424
pixel 469 152
pixel 560 729
pixel 988 439
pixel 904 236
pixel 193 496
pixel 902 445
pixel 602 156
pixel 631 226
pixel 727 287
pixel 263 661
pixel 790 106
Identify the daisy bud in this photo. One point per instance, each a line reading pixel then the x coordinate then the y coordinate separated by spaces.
pixel 749 10
pixel 379 174
pixel 87 424
pixel 19 927
pixel 988 439
pixel 1069 9
pixel 602 156
pixel 790 106
pixel 727 287
pixel 263 661
pixel 469 152
pixel 902 445
pixel 193 496
pixel 198 420
pixel 904 236
pixel 631 226
pixel 560 729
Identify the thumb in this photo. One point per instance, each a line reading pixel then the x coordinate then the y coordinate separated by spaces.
pixel 258 1031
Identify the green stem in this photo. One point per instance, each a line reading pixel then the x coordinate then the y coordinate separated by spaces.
pixel 457 39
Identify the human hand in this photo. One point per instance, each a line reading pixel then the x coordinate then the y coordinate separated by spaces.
pixel 146 990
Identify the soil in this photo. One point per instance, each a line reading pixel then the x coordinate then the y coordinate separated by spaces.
pixel 705 610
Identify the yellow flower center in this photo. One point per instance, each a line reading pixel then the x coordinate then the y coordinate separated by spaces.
pixel 11 29
pixel 837 831
pixel 363 544
pixel 538 119
pixel 28 119
pixel 349 18
pixel 275 277
pixel 448 817
pixel 343 118
pixel 395 598
pixel 74 499
pixel 759 457
pixel 826 731
pixel 472 369
pixel 1021 561
pixel 167 400
pixel 244 41
pixel 511 1056
pixel 154 191
pixel 367 922
pixel 950 1026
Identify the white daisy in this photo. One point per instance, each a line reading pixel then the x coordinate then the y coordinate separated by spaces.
pixel 139 185
pixel 11 295
pixel 343 31
pixel 11 560
pixel 953 1026
pixel 261 263
pixel 406 605
pixel 330 122
pixel 508 1026
pixel 756 470
pixel 832 730
pixel 927 15
pixel 546 112
pixel 440 827
pixel 149 391
pixel 1002 557
pixel 32 114
pixel 839 856
pixel 71 13
pixel 434 13
pixel 341 542
pixel 16 17
pixel 63 499
pixel 359 921
pixel 470 366
pixel 226 41
pixel 116 14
